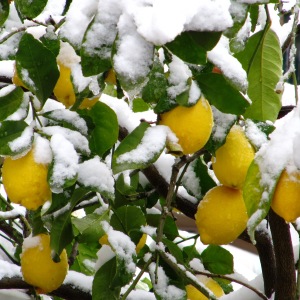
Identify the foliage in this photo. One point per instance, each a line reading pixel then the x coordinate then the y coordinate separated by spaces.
pixel 114 171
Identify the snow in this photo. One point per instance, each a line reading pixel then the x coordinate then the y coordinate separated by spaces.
pixel 41 150
pixel 79 280
pixel 96 174
pixel 31 242
pixel 22 142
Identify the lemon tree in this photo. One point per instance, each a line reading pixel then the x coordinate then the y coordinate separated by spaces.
pixel 111 121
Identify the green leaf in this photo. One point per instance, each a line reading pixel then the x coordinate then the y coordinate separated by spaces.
pixel 61 230
pixel 174 250
pixel 127 187
pixel 262 58
pixel 30 9
pixel 85 259
pixel 221 94
pixel 4 11
pixel 50 41
pixel 10 102
pixel 36 222
pixel 257 196
pixel 90 227
pixel 123 161
pixel 156 87
pixel 129 219
pixel 217 260
pixel 139 105
pixel 191 46
pixel 190 252
pixel 36 67
pixel 101 289
pixel 106 131
pixel 10 131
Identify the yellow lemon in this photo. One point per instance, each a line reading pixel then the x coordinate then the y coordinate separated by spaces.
pixel 25 181
pixel 64 90
pixel 233 159
pixel 192 125
pixel 111 77
pixel 286 199
pixel 104 241
pixel 221 215
pixel 194 294
pixel 37 266
pixel 16 79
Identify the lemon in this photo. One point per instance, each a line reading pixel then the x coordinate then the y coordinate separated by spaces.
pixel 104 241
pixel 194 294
pixel 25 181
pixel 285 201
pixel 233 159
pixel 111 77
pixel 37 266
pixel 192 125
pixel 64 90
pixel 221 215
pixel 16 79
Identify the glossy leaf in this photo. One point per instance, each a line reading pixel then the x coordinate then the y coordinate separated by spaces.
pixel 90 227
pixel 101 289
pixel 129 219
pixel 217 260
pixel 30 9
pixel 128 186
pixel 36 67
pixel 10 102
pixel 4 12
pixel 61 231
pixel 174 250
pixel 10 132
pixel 155 89
pixel 191 46
pixel 221 94
pixel 51 42
pixel 130 144
pixel 106 131
pixel 262 58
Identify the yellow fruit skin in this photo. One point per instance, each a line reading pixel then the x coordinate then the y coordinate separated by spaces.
pixel 38 268
pixel 286 198
pixel 221 215
pixel 194 294
pixel 104 241
pixel 64 91
pixel 111 77
pixel 16 80
pixel 192 125
pixel 25 181
pixel 233 159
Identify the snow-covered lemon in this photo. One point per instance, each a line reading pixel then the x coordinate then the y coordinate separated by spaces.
pixel 25 181
pixel 286 198
pixel 212 285
pixel 192 125
pixel 233 158
pixel 37 266
pixel 221 215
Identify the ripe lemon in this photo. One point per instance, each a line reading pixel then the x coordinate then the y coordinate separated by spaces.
pixel 64 91
pixel 192 125
pixel 286 201
pixel 233 159
pixel 111 77
pixel 37 266
pixel 16 79
pixel 221 215
pixel 194 294
pixel 104 241
pixel 25 181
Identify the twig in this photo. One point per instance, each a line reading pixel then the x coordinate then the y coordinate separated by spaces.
pixel 73 254
pixel 20 29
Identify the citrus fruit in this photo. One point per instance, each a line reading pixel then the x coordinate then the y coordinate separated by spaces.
pixel 221 215
pixel 64 91
pixel 104 241
pixel 194 294
pixel 233 159
pixel 25 181
pixel 37 266
pixel 111 77
pixel 286 200
pixel 192 125
pixel 16 79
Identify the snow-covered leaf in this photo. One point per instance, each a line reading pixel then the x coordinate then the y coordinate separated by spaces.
pixel 15 137
pixel 262 59
pixel 36 67
pixel 140 148
pixel 95 175
pixel 64 167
